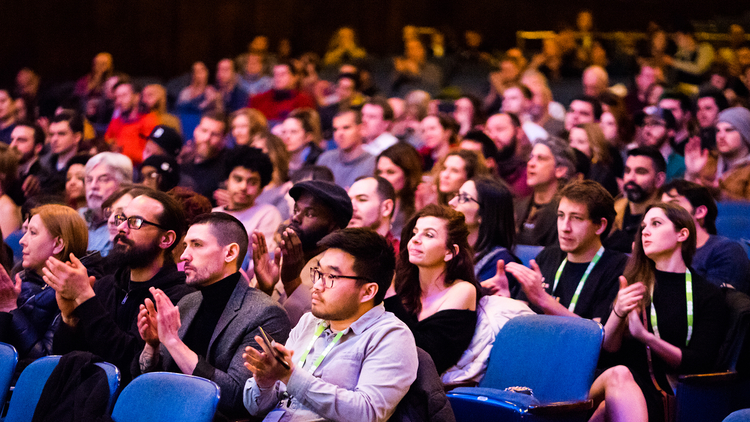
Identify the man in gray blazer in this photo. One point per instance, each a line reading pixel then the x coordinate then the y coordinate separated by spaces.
pixel 207 332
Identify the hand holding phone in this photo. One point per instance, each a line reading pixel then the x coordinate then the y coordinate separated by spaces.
pixel 269 343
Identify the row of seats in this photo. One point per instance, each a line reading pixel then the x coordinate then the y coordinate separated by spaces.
pixel 151 397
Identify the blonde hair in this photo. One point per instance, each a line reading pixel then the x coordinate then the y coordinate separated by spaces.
pixel 597 142
pixel 64 222
pixel 256 119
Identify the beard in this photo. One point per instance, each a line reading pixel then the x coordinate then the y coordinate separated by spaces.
pixel 125 253
pixel 635 193
pixel 309 238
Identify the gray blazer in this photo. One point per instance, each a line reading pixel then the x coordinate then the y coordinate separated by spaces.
pixel 247 309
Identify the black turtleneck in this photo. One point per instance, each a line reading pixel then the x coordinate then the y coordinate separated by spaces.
pixel 215 298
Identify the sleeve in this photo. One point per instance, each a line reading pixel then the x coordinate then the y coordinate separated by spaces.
pixel 259 402
pixel 28 337
pixel 727 265
pixel 103 337
pixel 701 65
pixel 709 330
pixel 232 381
pixel 386 373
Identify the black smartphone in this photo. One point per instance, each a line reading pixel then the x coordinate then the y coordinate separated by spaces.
pixel 268 340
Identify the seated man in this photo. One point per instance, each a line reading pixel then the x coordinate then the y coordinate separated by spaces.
pixel 103 319
pixel 249 170
pixel 216 323
pixel 349 160
pixel 579 277
pixel 351 359
pixel 373 200
pixel 719 260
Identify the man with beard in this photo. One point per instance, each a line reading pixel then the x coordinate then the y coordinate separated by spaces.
pixel 355 359
pixel 207 332
pixel 100 316
pixel 320 208
pixel 105 172
pixel 130 130
pixel 373 200
pixel 203 159
pixel 514 148
pixel 657 129
pixel 645 173
pixel 710 102
pixel 249 171
pixel 27 139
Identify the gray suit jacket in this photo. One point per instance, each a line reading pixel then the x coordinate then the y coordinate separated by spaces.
pixel 247 309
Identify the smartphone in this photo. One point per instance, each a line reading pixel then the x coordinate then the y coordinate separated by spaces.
pixel 268 340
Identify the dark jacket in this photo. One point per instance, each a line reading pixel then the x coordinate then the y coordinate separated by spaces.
pixel 107 323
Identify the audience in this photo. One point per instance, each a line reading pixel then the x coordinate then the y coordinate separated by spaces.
pixel 349 160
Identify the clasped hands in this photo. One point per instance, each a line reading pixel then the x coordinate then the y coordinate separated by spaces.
pixel 158 320
pixel 268 271
pixel 629 308
pixel 264 366
pixel 71 282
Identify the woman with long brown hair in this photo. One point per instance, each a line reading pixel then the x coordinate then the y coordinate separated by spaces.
pixel 664 313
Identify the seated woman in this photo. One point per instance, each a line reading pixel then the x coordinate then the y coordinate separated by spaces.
pixel 664 311
pixel 436 291
pixel 28 309
pixel 589 139
pixel 401 165
pixel 301 135
pixel 487 205
pixel 456 168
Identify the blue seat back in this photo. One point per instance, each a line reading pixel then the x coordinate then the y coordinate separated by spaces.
pixel 8 361
pixel 165 396
pixel 553 356
pixel 29 388
pixel 732 220
pixel 113 378
pixel 527 252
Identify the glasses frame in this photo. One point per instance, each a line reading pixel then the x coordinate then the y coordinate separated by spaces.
pixel 332 277
pixel 132 222
pixel 464 198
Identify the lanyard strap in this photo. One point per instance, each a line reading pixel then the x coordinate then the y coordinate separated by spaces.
pixel 318 331
pixel 688 299
pixel 593 262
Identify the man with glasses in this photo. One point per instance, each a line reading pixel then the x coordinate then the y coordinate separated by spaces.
pixel 347 359
pixel 207 335
pixel 100 316
pixel 657 127
pixel 319 209
pixel 579 277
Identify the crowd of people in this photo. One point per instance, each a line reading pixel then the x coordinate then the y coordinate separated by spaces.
pixel 360 226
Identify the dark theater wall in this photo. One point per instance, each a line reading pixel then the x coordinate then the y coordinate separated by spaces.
pixel 162 38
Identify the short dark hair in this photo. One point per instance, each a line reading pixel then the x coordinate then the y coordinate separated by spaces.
pixel 660 164
pixel 136 87
pixel 717 95
pixel 685 103
pixel 599 203
pixel 373 256
pixel 313 173
pixel 596 105
pixel 216 116
pixel 513 119
pixel 227 230
pixel 381 102
pixel 252 159
pixel 173 216
pixel 357 114
pixel 697 195
pixel 132 190
pixel 384 189
pixel 39 135
pixel 74 119
pixel 489 149
pixel 525 91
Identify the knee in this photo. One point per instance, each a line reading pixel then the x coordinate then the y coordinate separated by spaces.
pixel 619 376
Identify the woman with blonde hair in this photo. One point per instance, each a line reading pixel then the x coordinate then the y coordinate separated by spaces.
pixel 28 308
pixel 246 124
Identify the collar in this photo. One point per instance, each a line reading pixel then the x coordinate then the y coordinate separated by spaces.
pixel 366 321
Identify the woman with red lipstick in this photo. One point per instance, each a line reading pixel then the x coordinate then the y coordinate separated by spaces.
pixel 436 290
pixel 28 309
pixel 664 312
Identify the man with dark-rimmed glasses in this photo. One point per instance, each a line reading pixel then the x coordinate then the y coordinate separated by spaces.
pixel 348 358
pixel 101 318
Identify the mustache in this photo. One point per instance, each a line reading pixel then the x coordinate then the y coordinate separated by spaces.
pixel 121 238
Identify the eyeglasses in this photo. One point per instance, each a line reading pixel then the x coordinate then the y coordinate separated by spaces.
pixel 135 222
pixel 464 197
pixel 328 279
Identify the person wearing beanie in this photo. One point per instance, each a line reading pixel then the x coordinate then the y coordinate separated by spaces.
pixel 732 169
pixel 319 209
pixel 160 172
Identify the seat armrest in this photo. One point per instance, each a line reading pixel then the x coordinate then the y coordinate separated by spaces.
pixel 454 385
pixel 551 409
pixel 709 378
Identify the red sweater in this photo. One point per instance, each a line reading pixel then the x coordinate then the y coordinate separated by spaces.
pixel 276 105
pixel 131 135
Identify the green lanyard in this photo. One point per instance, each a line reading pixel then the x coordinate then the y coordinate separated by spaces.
pixel 318 331
pixel 593 262
pixel 688 298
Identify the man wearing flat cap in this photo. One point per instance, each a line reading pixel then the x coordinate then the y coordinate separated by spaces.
pixel 731 172
pixel 657 128
pixel 319 209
